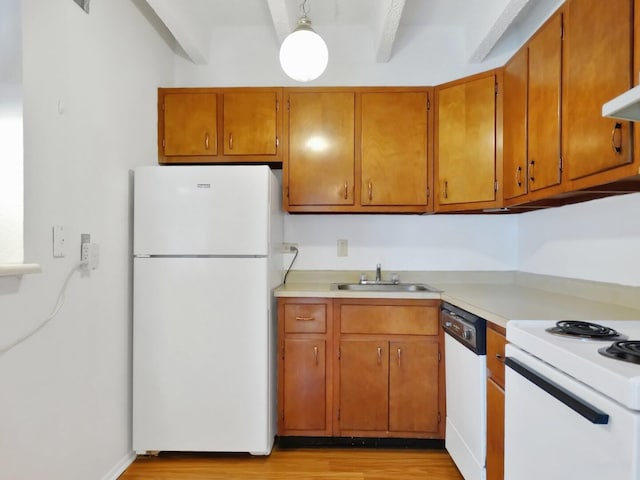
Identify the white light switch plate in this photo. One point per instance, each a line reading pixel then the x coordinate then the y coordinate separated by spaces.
pixel 58 241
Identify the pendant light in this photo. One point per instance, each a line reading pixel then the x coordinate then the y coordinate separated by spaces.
pixel 303 54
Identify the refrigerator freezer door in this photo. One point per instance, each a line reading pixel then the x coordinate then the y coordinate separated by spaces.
pixel 201 210
pixel 203 352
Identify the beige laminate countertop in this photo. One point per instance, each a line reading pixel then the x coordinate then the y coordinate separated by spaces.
pixel 495 296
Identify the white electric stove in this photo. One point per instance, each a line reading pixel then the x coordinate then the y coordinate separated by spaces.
pixel 572 411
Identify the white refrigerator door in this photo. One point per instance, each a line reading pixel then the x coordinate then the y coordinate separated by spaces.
pixel 201 210
pixel 203 351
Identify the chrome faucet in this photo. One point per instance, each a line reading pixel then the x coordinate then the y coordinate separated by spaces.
pixel 378 273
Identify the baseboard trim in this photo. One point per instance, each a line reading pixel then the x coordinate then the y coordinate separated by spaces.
pixel 120 467
pixel 360 442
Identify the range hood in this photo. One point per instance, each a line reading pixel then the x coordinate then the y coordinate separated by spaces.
pixel 625 106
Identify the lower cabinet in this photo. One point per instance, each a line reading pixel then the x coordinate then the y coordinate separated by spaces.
pixel 496 342
pixel 374 370
pixel 304 367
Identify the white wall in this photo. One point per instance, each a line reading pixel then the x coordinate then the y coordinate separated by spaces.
pixel 65 393
pixel 597 240
pixel 404 242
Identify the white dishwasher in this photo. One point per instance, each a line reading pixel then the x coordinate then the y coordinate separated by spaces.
pixel 466 388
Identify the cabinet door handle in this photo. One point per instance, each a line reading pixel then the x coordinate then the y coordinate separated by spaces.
pixel 518 176
pixel 346 190
pixel 532 176
pixel 305 319
pixel 231 141
pixel 616 148
pixel 379 355
pixel 206 141
pixel 315 355
pixel 499 357
pixel 370 191
pixel 399 357
pixel 445 191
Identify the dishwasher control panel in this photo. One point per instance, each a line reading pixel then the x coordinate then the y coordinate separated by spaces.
pixel 467 328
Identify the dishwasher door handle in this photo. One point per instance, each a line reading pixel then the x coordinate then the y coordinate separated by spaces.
pixel 575 403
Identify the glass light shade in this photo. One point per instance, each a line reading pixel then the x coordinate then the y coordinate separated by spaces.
pixel 303 54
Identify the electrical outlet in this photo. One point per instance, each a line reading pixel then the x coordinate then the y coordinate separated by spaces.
pixel 91 255
pixel 289 247
pixel 85 238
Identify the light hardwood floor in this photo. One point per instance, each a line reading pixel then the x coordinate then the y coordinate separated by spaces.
pixel 299 464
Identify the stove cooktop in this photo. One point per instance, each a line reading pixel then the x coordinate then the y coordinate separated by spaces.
pixel 580 357
pixel 585 330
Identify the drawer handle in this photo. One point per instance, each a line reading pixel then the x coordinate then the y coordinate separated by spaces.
pixel 305 319
pixel 617 148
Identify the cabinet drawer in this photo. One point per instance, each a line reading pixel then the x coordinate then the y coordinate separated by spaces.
pixel 495 356
pixel 305 318
pixel 389 319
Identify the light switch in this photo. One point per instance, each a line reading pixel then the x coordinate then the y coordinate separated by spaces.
pixel 343 247
pixel 58 241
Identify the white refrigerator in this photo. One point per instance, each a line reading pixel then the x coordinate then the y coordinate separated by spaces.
pixel 207 256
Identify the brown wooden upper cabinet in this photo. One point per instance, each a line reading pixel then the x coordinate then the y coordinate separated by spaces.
pixel 394 148
pixel 597 62
pixel 189 123
pixel 357 150
pixel 532 93
pixel 208 125
pixel 320 171
pixel 466 157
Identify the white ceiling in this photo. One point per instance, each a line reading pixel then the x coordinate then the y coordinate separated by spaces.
pixel 485 25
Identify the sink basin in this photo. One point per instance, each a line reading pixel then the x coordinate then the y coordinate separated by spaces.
pixel 385 287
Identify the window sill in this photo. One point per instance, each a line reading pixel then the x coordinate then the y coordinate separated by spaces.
pixel 15 269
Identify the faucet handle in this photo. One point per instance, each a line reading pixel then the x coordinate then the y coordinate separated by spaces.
pixel 363 278
pixel 395 278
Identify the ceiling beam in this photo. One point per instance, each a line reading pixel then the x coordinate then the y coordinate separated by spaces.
pixel 496 29
pixel 387 22
pixel 187 32
pixel 282 21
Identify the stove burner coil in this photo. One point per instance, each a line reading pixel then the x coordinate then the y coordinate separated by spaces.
pixel 575 328
pixel 628 351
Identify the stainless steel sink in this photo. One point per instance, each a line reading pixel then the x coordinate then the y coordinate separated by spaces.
pixel 385 287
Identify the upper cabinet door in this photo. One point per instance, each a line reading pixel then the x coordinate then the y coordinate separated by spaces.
pixel 394 148
pixel 466 141
pixel 190 126
pixel 515 124
pixel 545 66
pixel 250 123
pixel 597 67
pixel 320 166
